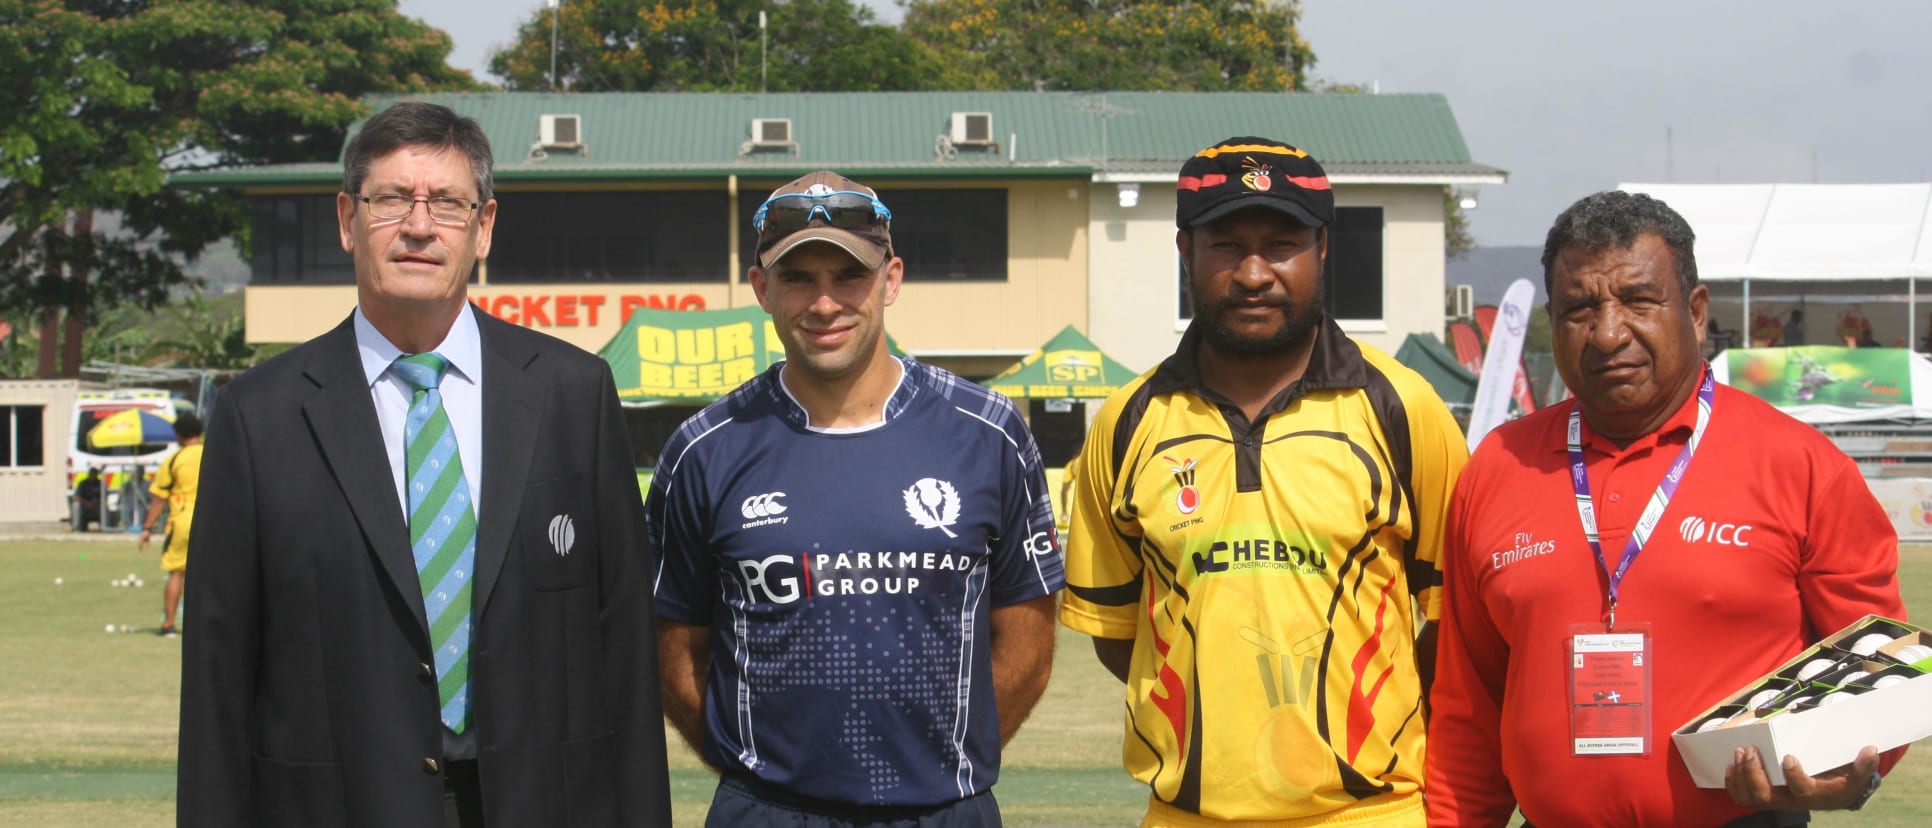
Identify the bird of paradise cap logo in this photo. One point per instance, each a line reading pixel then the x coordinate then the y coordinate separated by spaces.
pixel 1256 177
pixel 1189 497
pixel 933 504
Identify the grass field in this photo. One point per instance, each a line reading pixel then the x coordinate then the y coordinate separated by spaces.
pixel 87 718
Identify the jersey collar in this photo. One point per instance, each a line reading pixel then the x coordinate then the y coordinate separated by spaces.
pixel 1336 363
pixel 910 372
pixel 1674 431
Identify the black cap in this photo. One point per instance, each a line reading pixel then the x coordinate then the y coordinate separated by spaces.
pixel 1253 172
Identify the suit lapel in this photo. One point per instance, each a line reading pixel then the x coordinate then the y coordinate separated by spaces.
pixel 512 417
pixel 342 416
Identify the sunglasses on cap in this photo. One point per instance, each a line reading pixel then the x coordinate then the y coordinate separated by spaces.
pixel 846 210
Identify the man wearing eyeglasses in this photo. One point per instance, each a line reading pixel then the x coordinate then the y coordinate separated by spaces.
pixel 420 598
pixel 857 553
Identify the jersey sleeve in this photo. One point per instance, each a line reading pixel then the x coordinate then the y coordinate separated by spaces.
pixel 1441 451
pixel 674 521
pixel 1463 772
pixel 1027 558
pixel 164 479
pixel 1103 561
pixel 1848 566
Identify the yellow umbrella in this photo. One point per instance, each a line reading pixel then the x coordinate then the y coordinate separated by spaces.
pixel 131 427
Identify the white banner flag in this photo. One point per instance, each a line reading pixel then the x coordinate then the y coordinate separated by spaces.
pixel 1501 362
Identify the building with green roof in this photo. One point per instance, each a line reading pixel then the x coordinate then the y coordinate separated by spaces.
pixel 1017 213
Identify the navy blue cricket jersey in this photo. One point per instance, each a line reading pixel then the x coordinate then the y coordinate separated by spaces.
pixel 848 576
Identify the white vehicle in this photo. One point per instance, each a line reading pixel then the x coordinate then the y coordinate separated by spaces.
pixel 124 470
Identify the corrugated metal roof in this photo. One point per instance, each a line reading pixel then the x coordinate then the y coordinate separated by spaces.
pixel 677 135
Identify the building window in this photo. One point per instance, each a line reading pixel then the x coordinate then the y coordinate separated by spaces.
pixel 295 240
pixel 655 236
pixel 943 235
pixel 20 436
pixel 1352 281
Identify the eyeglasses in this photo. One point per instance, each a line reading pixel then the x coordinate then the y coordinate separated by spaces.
pixel 846 210
pixel 442 209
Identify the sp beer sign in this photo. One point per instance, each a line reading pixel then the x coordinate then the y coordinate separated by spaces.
pixel 1073 366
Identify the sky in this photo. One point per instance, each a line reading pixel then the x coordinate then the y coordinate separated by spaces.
pixel 1572 98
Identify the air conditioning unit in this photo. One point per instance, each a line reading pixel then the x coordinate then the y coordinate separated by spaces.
pixel 1463 303
pixel 560 130
pixel 972 128
pixel 771 132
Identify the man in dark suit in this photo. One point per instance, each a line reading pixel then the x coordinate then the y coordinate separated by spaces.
pixel 371 644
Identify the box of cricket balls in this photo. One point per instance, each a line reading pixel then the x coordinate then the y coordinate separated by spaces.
pixel 1867 684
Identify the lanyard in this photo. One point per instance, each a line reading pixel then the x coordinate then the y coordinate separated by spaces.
pixel 1653 511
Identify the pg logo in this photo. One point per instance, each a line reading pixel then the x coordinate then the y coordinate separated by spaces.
pixel 1073 366
pixel 758 579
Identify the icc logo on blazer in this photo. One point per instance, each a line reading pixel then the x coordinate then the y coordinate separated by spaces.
pixel 563 534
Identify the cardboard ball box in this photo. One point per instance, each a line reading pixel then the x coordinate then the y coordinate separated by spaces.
pixel 1822 706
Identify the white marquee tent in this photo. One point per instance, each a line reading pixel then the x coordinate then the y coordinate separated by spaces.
pixel 1839 240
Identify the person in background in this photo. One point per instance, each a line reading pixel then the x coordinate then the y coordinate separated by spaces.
pixel 174 491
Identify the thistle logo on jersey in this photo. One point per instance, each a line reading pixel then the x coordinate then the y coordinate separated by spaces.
pixel 1189 497
pixel 763 509
pixel 1694 529
pixel 933 504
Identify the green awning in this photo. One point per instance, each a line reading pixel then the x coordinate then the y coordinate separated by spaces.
pixel 1068 366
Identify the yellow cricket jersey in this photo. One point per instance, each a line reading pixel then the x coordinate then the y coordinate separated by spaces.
pixel 1268 576
pixel 178 480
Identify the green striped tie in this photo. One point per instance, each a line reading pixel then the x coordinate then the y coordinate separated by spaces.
pixel 442 531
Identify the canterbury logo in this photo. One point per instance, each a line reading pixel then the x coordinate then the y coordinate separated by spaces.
pixel 1695 529
pixel 563 534
pixel 763 505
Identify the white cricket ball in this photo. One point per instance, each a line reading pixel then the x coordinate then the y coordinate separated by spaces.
pixel 1852 676
pixel 130 576
pixel 58 582
pixel 1889 681
pixel 1914 654
pixel 1813 667
pixel 138 583
pixel 1834 699
pixel 110 628
pixel 1712 724
pixel 1868 644
pixel 1760 698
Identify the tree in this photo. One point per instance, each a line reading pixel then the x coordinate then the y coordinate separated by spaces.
pixel 1456 240
pixel 704 46
pixel 1083 45
pixel 106 98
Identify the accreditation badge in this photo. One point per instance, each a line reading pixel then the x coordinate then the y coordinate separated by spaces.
pixel 1610 705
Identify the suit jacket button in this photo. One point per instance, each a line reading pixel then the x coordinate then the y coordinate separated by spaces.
pixel 427 671
pixel 430 765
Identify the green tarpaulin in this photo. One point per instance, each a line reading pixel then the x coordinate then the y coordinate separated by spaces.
pixel 1068 366
pixel 1426 355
